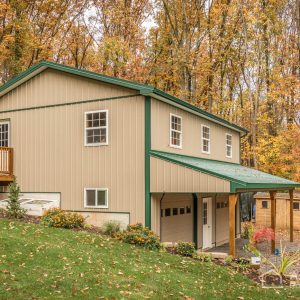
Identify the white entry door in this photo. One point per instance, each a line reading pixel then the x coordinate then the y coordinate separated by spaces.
pixel 207 222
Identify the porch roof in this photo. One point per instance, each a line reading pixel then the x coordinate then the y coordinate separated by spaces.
pixel 240 177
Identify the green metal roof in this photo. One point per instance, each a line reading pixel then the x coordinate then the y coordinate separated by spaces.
pixel 240 177
pixel 142 88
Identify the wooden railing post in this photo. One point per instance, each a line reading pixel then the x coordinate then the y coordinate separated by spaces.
pixel 6 161
pixel 232 203
pixel 273 218
pixel 291 192
pixel 11 162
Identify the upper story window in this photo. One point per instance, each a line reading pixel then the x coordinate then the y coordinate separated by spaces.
pixel 228 145
pixel 96 197
pixel 205 139
pixel 4 134
pixel 175 131
pixel 96 128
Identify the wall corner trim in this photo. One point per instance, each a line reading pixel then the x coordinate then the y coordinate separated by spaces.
pixel 147 161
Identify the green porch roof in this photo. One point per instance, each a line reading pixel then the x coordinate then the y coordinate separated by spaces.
pixel 241 178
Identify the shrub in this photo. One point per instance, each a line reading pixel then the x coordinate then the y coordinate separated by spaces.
pixel 111 228
pixel 203 256
pixel 247 231
pixel 138 235
pixel 185 249
pixel 264 234
pixel 55 217
pixel 14 209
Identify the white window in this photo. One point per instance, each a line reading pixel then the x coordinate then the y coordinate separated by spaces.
pixel 205 139
pixel 228 145
pixel 4 134
pixel 96 198
pixel 96 128
pixel 175 131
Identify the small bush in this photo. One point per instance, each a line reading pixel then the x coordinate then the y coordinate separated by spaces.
pixel 185 249
pixel 247 230
pixel 228 259
pixel 14 209
pixel 203 256
pixel 55 217
pixel 111 228
pixel 138 235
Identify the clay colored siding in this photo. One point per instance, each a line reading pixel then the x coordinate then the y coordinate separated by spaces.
pixel 191 134
pixel 263 215
pixel 55 87
pixel 155 212
pixel 169 177
pixel 49 151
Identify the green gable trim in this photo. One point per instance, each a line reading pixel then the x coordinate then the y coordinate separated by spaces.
pixel 147 161
pixel 141 88
pixel 240 177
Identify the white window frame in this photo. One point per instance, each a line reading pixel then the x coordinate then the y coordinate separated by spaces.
pixel 96 190
pixel 180 132
pixel 226 145
pixel 8 135
pixel 202 139
pixel 100 127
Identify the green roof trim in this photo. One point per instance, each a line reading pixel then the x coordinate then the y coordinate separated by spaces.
pixel 240 177
pixel 142 88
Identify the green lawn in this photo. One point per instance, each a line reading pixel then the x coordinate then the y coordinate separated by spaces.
pixel 47 263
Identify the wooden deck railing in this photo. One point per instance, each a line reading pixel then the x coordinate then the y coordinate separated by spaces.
pixel 6 161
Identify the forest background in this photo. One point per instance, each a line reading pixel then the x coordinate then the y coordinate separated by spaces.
pixel 237 59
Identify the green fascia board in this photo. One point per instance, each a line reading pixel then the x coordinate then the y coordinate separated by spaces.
pixel 142 88
pixel 240 177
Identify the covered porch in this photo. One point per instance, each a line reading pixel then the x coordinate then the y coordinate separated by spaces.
pixel 207 179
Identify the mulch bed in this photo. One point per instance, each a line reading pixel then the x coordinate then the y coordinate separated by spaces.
pixel 253 273
pixel 37 220
pixel 26 218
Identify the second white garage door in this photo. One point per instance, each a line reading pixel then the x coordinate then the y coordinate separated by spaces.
pixel 177 218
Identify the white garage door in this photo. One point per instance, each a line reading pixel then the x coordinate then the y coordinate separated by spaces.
pixel 222 220
pixel 177 218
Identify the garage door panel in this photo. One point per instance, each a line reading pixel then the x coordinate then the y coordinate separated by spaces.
pixel 222 220
pixel 177 218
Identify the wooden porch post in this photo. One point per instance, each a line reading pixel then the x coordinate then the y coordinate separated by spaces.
pixel 232 203
pixel 273 217
pixel 291 215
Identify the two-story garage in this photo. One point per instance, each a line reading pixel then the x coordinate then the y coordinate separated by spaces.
pixel 118 150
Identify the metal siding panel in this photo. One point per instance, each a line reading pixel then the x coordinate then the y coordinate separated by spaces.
pixel 191 128
pixel 178 179
pixel 49 152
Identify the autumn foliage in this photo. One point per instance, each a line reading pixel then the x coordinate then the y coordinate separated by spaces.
pixel 237 59
pixel 264 234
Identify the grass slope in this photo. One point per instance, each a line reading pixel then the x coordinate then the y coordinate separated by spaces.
pixel 47 263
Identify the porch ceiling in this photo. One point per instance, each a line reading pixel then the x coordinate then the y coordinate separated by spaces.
pixel 241 178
